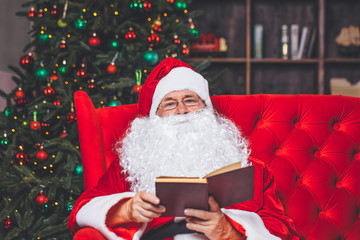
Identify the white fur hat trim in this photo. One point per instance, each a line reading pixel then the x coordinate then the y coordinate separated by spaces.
pixel 180 78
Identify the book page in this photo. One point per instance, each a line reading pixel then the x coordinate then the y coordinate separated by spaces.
pixel 227 168
pixel 164 179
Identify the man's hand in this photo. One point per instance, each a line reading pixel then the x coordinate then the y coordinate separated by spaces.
pixel 142 208
pixel 213 224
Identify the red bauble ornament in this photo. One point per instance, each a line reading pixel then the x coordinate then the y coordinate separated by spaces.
pixel 35 125
pixel 54 76
pixel 8 223
pixel 92 86
pixel 20 97
pixel 27 61
pixel 54 11
pixel 81 72
pixel 63 45
pixel 111 68
pixel 176 39
pixel 136 89
pixel 130 35
pixel 31 14
pixel 156 25
pixel 185 51
pixel 21 157
pixel 146 5
pixel 70 117
pixel 63 134
pixel 19 93
pixel 153 39
pixel 41 155
pixel 94 41
pixel 40 13
pixel 57 102
pixel 49 91
pixel 41 199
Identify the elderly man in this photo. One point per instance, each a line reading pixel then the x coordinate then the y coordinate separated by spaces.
pixel 178 133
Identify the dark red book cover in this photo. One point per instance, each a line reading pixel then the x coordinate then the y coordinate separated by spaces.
pixel 176 197
pixel 231 186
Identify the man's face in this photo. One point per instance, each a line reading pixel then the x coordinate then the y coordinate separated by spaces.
pixel 179 102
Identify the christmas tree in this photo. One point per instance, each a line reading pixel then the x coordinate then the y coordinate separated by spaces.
pixel 104 47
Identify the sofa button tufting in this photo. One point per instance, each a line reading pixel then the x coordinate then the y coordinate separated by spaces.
pixel 337 126
pixel 317 154
pixel 357 156
pixel 300 182
pixel 298 125
pixel 338 184
pixel 260 123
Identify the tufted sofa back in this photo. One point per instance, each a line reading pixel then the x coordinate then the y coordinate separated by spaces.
pixel 310 142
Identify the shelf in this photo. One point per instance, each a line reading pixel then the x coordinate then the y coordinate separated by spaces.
pixel 219 60
pixel 342 60
pixel 254 60
pixel 279 60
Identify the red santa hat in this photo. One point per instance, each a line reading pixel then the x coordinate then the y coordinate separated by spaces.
pixel 171 75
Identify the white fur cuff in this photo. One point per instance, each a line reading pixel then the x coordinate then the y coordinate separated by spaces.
pixel 252 223
pixel 93 214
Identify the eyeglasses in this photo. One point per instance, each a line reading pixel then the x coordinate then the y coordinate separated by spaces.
pixel 172 104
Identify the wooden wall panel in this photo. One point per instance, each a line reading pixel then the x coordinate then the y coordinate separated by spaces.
pixel 284 79
pixel 232 80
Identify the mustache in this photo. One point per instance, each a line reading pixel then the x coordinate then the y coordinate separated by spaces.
pixel 177 119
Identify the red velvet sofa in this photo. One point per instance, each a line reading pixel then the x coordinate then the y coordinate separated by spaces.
pixel 310 142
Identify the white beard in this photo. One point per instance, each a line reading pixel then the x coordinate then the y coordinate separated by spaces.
pixel 189 145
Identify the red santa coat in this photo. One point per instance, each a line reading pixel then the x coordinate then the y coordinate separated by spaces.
pixel 260 218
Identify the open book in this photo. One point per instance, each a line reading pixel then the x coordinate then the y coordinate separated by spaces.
pixel 229 185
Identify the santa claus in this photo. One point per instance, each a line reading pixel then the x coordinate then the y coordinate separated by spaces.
pixel 177 133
